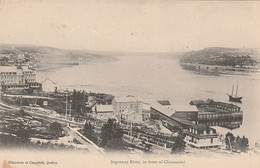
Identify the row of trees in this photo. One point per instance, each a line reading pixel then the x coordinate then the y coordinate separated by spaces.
pixel 236 143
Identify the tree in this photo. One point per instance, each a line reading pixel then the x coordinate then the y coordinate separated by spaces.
pixel 238 143
pixel 230 140
pixel 89 132
pixel 179 145
pixel 111 135
pixel 56 129
pixel 244 144
pixel 78 99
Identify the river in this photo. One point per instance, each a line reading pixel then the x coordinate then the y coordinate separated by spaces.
pixel 154 78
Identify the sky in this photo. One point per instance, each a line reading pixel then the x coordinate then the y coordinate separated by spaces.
pixel 124 25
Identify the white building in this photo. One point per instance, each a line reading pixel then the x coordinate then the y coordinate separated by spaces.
pixel 127 103
pixel 202 137
pixel 17 77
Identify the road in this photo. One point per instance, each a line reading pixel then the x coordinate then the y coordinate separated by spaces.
pixel 83 140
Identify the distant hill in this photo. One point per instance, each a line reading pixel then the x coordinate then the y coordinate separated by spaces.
pixel 50 57
pixel 222 56
pixel 47 51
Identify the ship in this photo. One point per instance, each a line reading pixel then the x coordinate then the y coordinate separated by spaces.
pixel 235 98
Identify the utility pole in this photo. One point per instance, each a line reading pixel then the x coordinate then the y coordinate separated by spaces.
pixel 70 107
pixel 0 92
pixel 66 104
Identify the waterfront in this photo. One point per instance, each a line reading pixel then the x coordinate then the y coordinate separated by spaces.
pixel 162 78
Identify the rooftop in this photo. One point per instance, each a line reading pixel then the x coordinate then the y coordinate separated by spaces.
pixel 185 108
pixel 167 110
pixel 170 110
pixel 127 99
pixel 104 108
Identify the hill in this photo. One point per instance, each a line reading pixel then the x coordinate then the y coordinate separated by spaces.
pixel 222 57
pixel 50 57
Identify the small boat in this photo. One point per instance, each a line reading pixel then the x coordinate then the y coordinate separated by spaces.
pixel 234 98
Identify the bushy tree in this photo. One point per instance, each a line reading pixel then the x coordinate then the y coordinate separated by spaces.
pixel 111 135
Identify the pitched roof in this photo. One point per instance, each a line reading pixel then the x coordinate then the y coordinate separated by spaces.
pixel 167 110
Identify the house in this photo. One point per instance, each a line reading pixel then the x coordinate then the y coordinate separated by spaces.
pixel 202 137
pixel 48 85
pixel 103 112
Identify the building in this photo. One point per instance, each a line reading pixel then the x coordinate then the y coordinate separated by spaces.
pixel 164 112
pixel 202 137
pixel 18 78
pixel 129 103
pixel 49 86
pixel 180 117
pixel 103 112
pixel 185 112
pixel 218 113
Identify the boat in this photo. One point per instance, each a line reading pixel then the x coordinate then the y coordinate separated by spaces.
pixel 235 98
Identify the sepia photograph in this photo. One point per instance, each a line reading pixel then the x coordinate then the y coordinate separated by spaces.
pixel 129 84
